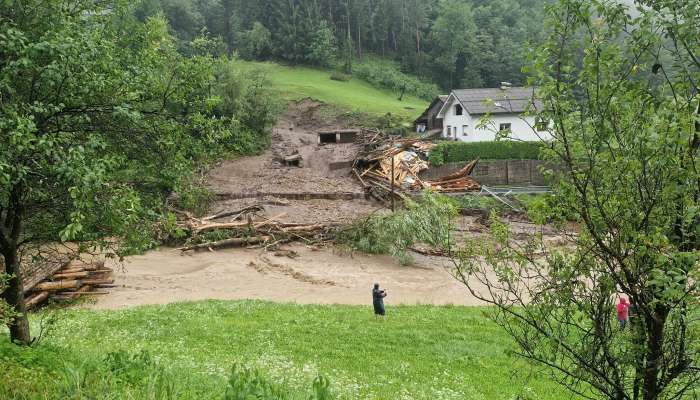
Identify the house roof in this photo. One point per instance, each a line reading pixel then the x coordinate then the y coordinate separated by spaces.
pixel 438 101
pixel 513 100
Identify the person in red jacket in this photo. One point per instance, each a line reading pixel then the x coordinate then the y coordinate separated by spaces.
pixel 623 312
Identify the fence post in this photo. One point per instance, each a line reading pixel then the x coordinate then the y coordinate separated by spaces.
pixel 507 172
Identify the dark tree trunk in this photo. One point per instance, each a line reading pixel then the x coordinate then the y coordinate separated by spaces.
pixel 655 329
pixel 10 229
pixel 14 296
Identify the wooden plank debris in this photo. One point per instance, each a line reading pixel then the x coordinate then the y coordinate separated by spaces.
pixel 390 166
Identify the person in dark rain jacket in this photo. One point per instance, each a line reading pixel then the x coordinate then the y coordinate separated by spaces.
pixel 378 296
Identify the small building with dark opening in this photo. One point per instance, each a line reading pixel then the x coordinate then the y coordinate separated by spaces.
pixel 337 136
pixel 429 121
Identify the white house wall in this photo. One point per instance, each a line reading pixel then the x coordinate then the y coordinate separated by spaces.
pixel 521 127
pixel 451 119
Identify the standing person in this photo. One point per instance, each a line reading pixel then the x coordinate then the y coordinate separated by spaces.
pixel 378 296
pixel 623 312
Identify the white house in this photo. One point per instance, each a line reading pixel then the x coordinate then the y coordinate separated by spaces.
pixel 463 109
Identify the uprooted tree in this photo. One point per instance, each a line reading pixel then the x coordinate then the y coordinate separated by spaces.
pixel 621 89
pixel 100 119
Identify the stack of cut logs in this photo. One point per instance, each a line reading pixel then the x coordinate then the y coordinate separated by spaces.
pixel 245 227
pixel 73 280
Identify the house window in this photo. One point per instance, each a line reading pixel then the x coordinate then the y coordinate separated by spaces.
pixel 454 130
pixel 541 125
pixel 464 130
pixel 448 132
pixel 504 127
pixel 459 110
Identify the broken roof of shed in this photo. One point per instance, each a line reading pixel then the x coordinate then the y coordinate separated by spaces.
pixel 510 100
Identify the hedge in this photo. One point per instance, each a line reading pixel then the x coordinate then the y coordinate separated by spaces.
pixel 448 151
pixel 385 74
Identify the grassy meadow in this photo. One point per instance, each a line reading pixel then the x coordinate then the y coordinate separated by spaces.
pixel 298 82
pixel 418 352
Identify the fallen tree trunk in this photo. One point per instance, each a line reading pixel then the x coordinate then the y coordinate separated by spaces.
pixel 237 225
pixel 58 285
pixel 36 299
pixel 95 282
pixel 71 275
pixel 429 252
pixel 304 228
pixel 226 243
pixel 88 292
pixel 83 290
pixel 237 213
pixel 71 270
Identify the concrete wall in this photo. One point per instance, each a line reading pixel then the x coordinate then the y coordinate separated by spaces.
pixel 495 172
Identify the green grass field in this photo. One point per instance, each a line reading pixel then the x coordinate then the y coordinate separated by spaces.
pixel 418 352
pixel 355 95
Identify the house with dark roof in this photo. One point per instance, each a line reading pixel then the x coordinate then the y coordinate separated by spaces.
pixel 507 109
pixel 428 121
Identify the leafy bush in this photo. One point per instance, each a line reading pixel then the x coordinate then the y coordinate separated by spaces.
pixel 446 151
pixel 341 77
pixel 7 313
pixel 427 220
pixel 251 384
pixel 387 75
pixel 256 43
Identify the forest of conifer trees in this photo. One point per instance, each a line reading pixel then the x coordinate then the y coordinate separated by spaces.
pixel 466 43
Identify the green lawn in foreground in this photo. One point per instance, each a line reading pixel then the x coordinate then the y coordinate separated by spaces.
pixel 357 95
pixel 418 352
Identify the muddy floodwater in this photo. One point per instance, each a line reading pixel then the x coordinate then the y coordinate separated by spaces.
pixel 300 274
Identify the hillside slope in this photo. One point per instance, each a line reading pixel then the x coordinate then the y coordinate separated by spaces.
pixel 295 83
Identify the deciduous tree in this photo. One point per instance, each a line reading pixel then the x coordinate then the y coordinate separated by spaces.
pixel 99 118
pixel 621 89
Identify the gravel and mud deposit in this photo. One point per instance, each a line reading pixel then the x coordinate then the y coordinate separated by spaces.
pixel 297 272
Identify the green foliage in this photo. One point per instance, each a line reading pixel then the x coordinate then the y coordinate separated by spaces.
pixel 250 384
pixel 356 97
pixel 7 313
pixel 385 74
pixel 192 347
pixel 340 77
pixel 620 84
pixel 321 50
pixel 454 38
pixel 434 39
pixel 479 202
pixel 256 43
pixel 448 151
pixel 427 220
pixel 99 126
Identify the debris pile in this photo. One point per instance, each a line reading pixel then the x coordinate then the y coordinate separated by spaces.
pixel 390 161
pixel 74 279
pixel 245 227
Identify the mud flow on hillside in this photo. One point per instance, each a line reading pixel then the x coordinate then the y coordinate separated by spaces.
pixel 296 272
pixel 295 133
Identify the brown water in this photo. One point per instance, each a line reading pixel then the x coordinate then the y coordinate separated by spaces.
pixel 316 276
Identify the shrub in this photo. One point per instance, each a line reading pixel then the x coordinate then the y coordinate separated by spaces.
pixel 427 220
pixel 446 152
pixel 386 74
pixel 339 76
pixel 251 384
